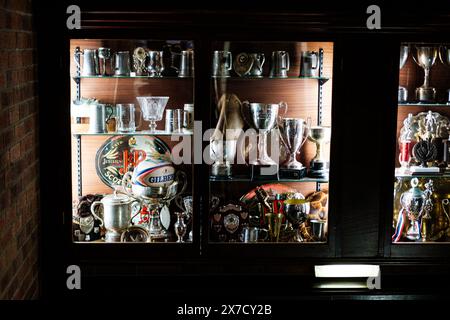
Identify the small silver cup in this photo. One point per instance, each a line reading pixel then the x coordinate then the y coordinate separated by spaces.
pixel 186 64
pixel 174 120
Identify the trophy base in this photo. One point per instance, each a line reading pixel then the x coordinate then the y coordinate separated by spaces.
pixel 221 170
pixel 287 173
pixel 420 170
pixel 425 95
pixel 318 169
pixel 402 94
pixel 265 172
pixel 111 236
pixel 279 75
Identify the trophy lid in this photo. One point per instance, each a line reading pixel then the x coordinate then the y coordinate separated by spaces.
pixel 116 199
pixel 415 191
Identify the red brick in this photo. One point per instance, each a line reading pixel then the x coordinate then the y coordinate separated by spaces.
pixel 23 40
pixel 4 119
pixel 2 19
pixel 14 152
pixel 2 80
pixel 14 21
pixel 20 130
pixel 19 5
pixel 14 115
pixel 7 40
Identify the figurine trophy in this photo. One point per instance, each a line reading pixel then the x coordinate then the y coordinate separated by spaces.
pixel 153 197
pixel 425 150
pixel 405 142
pixel 293 133
pixel 262 117
pixel 425 57
pixel 319 166
pixel 444 55
pixel 427 208
pixel 402 91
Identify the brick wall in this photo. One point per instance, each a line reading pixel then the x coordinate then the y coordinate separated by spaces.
pixel 19 158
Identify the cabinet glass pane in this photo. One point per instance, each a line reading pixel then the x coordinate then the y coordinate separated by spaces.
pixel 126 187
pixel 422 186
pixel 271 111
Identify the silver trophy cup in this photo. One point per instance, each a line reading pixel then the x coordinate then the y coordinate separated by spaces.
pixel 262 117
pixel 223 153
pixel 293 132
pixel 425 57
pixel 402 92
pixel 319 166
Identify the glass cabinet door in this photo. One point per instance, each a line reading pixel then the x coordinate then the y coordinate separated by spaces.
pixel 422 185
pixel 269 145
pixel 131 105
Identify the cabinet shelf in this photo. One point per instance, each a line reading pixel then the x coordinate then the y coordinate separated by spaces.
pixel 138 133
pixel 247 179
pixel 131 77
pixel 234 78
pixel 418 104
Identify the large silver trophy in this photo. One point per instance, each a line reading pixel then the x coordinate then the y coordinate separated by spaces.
pixel 402 91
pixel 293 132
pixel 319 166
pixel 154 198
pixel 425 57
pixel 262 117
pixel 444 55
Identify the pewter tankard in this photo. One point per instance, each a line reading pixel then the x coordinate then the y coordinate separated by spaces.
pixel 122 63
pixel 89 67
pixel 222 64
pixel 186 64
pixel 280 64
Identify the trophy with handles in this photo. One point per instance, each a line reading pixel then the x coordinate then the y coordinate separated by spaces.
pixel 425 56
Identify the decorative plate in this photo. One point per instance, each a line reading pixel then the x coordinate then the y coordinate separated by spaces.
pixel 165 217
pixel 118 153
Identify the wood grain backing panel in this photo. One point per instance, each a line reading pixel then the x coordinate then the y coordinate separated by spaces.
pixel 91 183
